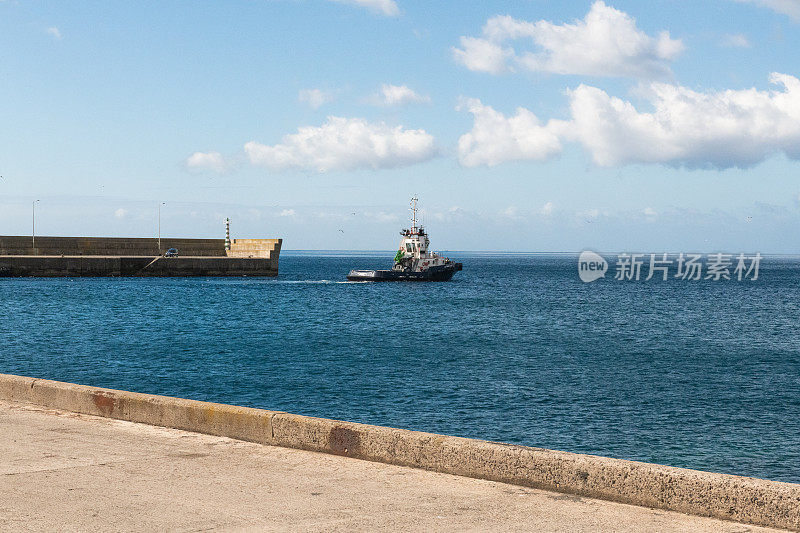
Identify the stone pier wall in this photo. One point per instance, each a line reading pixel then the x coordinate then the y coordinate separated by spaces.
pixel 119 246
pixel 119 256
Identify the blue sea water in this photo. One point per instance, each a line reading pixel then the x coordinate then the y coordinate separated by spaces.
pixel 516 348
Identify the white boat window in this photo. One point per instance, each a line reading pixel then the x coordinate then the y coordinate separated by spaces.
pixel 408 246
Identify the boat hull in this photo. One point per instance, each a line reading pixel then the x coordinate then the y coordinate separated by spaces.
pixel 440 273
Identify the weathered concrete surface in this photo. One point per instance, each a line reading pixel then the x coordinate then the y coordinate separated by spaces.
pixel 263 248
pixel 114 266
pixel 736 498
pixel 62 471
pixel 45 245
pixel 137 247
pixel 119 256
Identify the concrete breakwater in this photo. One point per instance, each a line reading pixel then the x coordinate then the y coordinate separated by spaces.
pixel 741 499
pixel 109 256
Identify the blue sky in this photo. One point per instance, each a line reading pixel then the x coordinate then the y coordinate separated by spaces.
pixel 530 126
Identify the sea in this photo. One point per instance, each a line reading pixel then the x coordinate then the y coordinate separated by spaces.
pixel 516 348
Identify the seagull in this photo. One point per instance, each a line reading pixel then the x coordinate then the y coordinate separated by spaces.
pixel 341 230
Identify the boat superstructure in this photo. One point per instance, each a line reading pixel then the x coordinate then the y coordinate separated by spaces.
pixel 414 260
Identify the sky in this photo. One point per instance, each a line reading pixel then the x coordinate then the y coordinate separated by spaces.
pixel 540 126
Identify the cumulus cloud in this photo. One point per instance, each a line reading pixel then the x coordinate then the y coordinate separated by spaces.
pixel 732 128
pixel 315 98
pixel 785 7
pixel 387 8
pixel 483 55
pixel 393 95
pixel 547 209
pixel 200 161
pixel 345 144
pixel 496 138
pixel 287 213
pixel 120 213
pixel 605 43
pixel 735 40
pixel 53 32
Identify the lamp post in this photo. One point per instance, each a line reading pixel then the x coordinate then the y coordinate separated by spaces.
pixel 159 225
pixel 33 223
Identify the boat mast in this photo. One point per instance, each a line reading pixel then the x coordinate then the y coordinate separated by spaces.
pixel 414 214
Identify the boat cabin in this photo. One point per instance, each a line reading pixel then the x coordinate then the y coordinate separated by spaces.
pixel 414 253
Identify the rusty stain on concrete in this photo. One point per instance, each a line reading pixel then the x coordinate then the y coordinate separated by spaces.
pixel 104 403
pixel 344 441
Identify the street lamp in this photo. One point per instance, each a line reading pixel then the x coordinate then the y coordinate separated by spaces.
pixel 159 225
pixel 33 223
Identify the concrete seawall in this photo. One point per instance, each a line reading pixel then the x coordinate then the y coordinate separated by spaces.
pixel 741 499
pixel 110 256
pixel 99 266
pixel 108 246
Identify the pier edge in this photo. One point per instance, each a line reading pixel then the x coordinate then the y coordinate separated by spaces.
pixel 723 496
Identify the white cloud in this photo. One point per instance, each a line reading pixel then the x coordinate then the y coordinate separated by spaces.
pixel 345 144
pixel 697 129
pixel 735 40
pixel 387 8
pixel 200 161
pixel 650 214
pixel 481 55
pixel 511 212
pixel 120 213
pixel 315 98
pixel 785 7
pixel 495 138
pixel 547 209
pixel 605 43
pixel 287 213
pixel 400 95
pixel 732 128
pixel 53 32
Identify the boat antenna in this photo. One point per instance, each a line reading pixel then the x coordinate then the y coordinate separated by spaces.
pixel 414 210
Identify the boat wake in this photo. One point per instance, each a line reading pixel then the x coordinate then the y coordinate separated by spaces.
pixel 312 281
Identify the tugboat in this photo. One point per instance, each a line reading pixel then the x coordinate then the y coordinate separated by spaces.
pixel 413 262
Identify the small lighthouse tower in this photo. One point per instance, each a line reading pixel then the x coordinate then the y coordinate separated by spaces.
pixel 227 233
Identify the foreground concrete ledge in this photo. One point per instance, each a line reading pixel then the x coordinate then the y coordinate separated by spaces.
pixel 736 498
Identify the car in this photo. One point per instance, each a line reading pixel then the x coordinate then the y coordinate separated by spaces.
pixel 172 252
